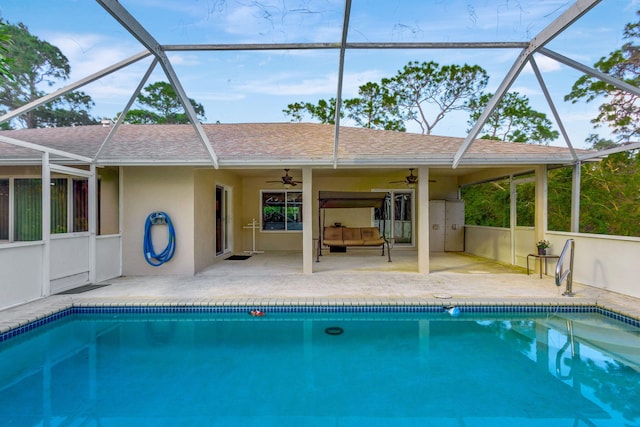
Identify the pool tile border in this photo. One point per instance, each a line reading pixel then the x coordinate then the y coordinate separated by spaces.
pixel 344 307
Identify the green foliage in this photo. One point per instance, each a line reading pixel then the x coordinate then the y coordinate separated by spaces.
pixel 512 120
pixel 610 196
pixel 446 87
pixel 36 63
pixel 5 60
pixel 402 98
pixel 487 204
pixel 560 182
pixel 621 111
pixel 375 108
pixel 324 111
pixel 71 109
pixel 526 204
pixel 159 104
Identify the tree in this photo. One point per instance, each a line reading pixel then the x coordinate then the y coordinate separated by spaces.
pixel 71 109
pixel 512 120
pixel 5 60
pixel 161 105
pixel 621 112
pixel 376 108
pixel 420 85
pixel 324 111
pixel 35 63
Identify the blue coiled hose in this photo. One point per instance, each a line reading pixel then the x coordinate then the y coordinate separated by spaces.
pixel 150 254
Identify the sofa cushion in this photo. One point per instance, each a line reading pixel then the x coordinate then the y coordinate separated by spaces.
pixel 351 234
pixel 332 233
pixel 370 233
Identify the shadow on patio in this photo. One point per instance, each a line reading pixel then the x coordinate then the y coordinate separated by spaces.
pixel 359 260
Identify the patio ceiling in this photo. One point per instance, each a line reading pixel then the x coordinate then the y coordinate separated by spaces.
pixel 347 42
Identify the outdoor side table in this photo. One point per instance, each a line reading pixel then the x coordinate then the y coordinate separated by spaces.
pixel 544 258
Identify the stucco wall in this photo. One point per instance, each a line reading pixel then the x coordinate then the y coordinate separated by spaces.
pixel 250 209
pixel 605 262
pixel 488 242
pixel 109 201
pixel 206 181
pixel 444 188
pixel 149 189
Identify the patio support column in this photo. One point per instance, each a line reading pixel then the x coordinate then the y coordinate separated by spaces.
pixel 93 221
pixel 307 220
pixel 541 202
pixel 423 220
pixel 513 194
pixel 575 197
pixel 46 226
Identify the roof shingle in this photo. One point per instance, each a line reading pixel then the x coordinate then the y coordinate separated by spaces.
pixel 267 143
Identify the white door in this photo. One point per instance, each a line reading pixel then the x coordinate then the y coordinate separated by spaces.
pixel 454 226
pixel 436 225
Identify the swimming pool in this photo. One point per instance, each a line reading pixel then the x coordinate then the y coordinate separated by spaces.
pixel 420 366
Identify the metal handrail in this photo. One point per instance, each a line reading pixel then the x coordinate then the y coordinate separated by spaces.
pixel 561 274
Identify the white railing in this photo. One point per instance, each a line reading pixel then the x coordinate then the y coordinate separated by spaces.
pixel 564 273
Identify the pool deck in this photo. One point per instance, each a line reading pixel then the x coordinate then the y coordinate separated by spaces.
pixel 359 278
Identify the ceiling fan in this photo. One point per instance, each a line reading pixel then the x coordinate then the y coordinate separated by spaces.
pixel 287 180
pixel 411 180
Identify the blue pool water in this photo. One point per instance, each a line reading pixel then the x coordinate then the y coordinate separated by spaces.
pixel 283 369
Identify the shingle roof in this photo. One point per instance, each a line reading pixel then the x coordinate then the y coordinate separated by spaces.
pixel 263 144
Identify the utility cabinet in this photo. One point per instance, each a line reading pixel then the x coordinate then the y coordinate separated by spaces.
pixel 446 225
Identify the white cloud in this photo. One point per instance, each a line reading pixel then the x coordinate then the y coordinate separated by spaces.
pixel 184 59
pixel 89 53
pixel 545 64
pixel 526 90
pixel 288 84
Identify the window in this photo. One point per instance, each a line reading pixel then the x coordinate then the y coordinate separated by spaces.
pixel 282 210
pixel 80 205
pixel 398 216
pixel 4 209
pixel 67 195
pixel 27 209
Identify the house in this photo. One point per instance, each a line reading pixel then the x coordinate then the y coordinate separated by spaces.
pixel 217 181
pixel 148 168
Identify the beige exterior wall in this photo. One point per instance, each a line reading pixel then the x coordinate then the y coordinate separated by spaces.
pixel 109 200
pixel 444 188
pixel 150 189
pixel 250 209
pixel 204 211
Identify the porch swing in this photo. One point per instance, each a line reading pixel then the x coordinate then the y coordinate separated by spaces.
pixel 340 237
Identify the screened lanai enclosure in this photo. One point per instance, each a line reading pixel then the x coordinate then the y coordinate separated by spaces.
pixel 298 87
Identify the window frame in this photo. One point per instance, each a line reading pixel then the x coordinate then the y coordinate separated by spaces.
pixel 68 209
pixel 285 195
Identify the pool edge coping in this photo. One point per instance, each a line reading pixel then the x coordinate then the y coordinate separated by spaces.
pixel 12 328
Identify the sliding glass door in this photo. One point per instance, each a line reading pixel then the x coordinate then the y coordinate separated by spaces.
pixel 399 224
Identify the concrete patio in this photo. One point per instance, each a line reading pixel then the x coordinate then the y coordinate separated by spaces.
pixel 356 278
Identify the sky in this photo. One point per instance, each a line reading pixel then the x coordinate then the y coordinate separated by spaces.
pixel 251 86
